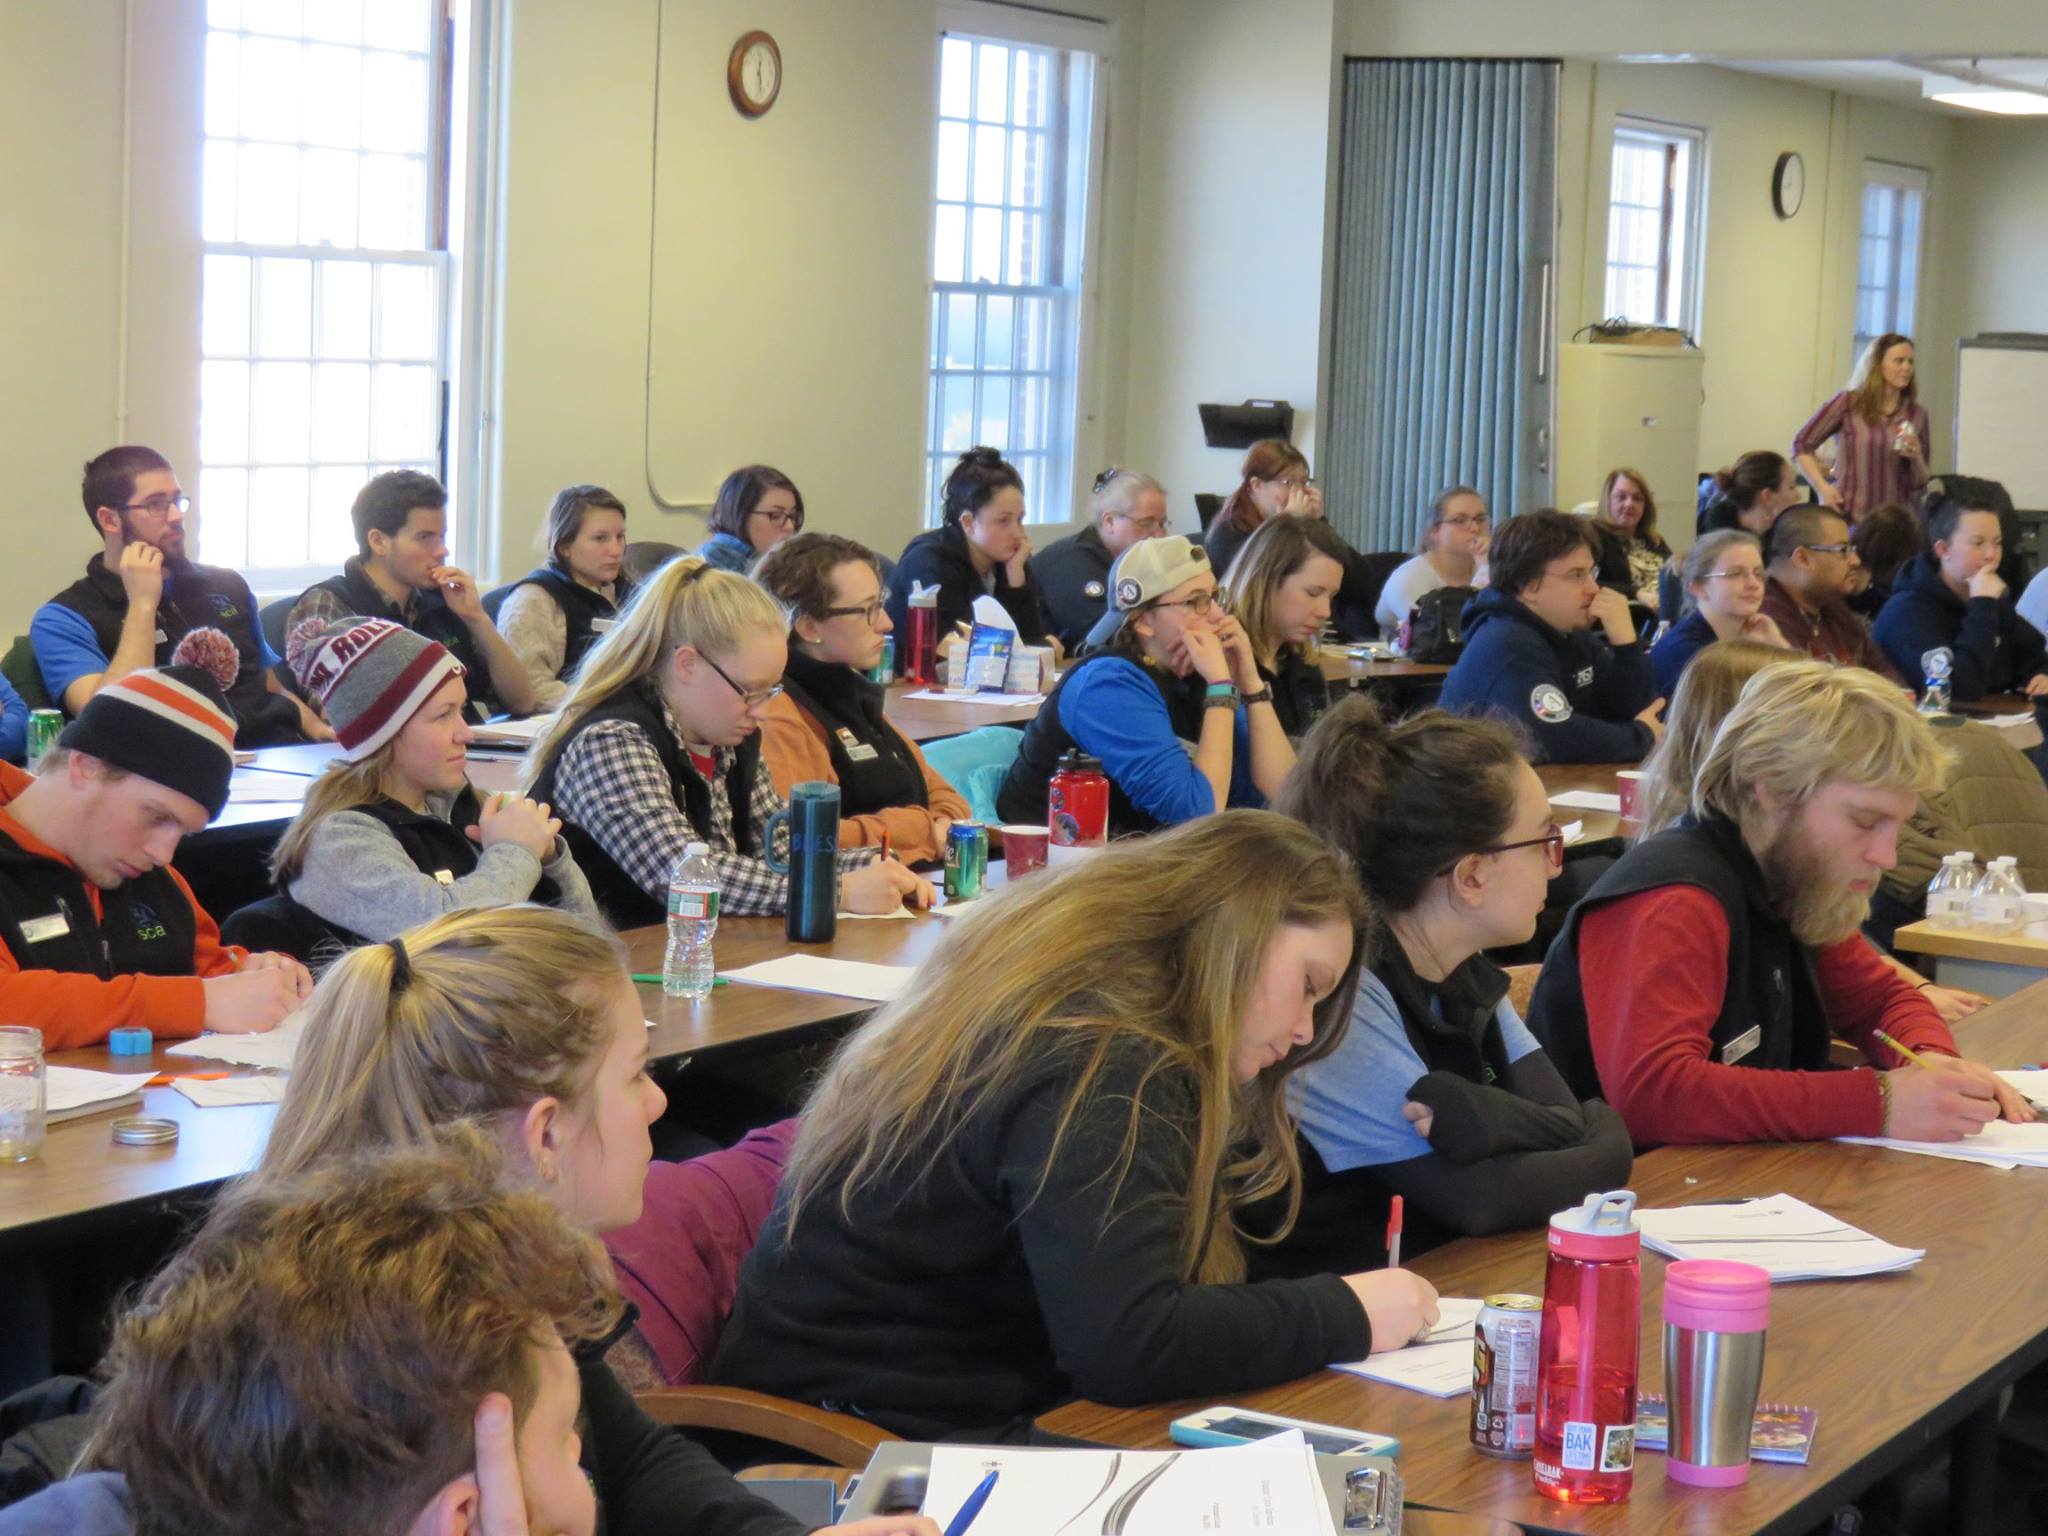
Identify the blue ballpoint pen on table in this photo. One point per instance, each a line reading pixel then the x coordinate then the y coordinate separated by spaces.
pixel 959 1523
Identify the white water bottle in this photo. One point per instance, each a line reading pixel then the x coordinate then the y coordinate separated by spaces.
pixel 1999 902
pixel 1949 892
pixel 687 969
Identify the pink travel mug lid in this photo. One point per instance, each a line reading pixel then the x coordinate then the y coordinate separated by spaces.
pixel 1717 1296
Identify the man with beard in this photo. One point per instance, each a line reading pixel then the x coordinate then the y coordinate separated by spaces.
pixel 140 596
pixel 1813 570
pixel 1697 985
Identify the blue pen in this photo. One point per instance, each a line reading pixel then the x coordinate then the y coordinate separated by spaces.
pixel 960 1522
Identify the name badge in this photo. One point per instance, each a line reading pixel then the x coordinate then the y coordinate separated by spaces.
pixel 856 749
pixel 1742 1045
pixel 445 877
pixel 38 929
pixel 603 626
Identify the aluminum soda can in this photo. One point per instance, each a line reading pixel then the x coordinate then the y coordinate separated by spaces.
pixel 884 670
pixel 44 725
pixel 1504 1375
pixel 966 860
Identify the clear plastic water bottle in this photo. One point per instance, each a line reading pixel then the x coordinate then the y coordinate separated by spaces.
pixel 2000 901
pixel 1934 697
pixel 1949 892
pixel 687 969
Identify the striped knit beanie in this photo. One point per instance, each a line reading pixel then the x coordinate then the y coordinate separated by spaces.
pixel 169 725
pixel 370 676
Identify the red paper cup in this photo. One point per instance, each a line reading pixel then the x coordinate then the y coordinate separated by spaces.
pixel 1024 849
pixel 1630 785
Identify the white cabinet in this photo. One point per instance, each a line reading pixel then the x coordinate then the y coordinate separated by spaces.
pixel 1634 406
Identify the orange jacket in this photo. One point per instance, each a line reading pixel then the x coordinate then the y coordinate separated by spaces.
pixel 74 1010
pixel 793 747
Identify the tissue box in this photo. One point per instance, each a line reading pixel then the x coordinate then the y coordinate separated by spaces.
pixel 1030 669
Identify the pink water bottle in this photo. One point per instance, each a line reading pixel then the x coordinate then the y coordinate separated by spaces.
pixel 921 651
pixel 1587 1356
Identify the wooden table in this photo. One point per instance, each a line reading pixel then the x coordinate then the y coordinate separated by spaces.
pixel 931 719
pixel 1598 778
pixel 1996 964
pixel 1340 666
pixel 1891 1362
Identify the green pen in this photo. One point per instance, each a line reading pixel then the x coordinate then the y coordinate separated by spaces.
pixel 655 980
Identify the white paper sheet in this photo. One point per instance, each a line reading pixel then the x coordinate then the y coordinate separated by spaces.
pixel 69 1091
pixel 2011 722
pixel 257 786
pixel 835 978
pixel 267 1088
pixel 968 696
pixel 1441 1366
pixel 1573 831
pixel 273 1049
pixel 1267 1488
pixel 1780 1233
pixel 1588 800
pixel 2000 1144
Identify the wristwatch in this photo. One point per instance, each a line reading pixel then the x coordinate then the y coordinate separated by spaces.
pixel 1263 696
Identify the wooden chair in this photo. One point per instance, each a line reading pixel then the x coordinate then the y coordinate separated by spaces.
pixel 837 1439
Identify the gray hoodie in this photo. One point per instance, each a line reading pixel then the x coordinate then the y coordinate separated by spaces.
pixel 91 1504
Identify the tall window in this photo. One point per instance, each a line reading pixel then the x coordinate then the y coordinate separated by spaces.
pixel 1008 236
pixel 325 292
pixel 1653 224
pixel 1888 262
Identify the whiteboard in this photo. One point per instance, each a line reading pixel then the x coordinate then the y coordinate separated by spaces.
pixel 2002 414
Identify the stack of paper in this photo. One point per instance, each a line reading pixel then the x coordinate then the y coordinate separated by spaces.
pixel 266 1088
pixel 1788 1237
pixel 72 1091
pixel 272 1049
pixel 1267 1488
pixel 2000 1144
pixel 1440 1365
pixel 837 978
pixel 1587 800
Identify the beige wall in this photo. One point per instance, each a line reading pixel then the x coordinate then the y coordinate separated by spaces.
pixel 1995 229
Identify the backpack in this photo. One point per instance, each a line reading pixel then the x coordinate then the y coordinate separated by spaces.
pixel 1436 634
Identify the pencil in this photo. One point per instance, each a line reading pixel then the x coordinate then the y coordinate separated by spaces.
pixel 1906 1051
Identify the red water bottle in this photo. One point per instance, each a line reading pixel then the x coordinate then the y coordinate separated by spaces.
pixel 1587 1357
pixel 1077 802
pixel 921 650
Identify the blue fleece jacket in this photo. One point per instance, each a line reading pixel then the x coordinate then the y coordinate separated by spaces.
pixel 1574 694
pixel 1991 649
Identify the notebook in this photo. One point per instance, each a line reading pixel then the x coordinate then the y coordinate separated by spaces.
pixel 1779 1432
pixel 69 1092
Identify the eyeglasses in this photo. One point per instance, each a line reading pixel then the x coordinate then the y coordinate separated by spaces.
pixel 1551 842
pixel 1468 522
pixel 1151 527
pixel 160 506
pixel 753 698
pixel 1577 576
pixel 790 519
pixel 1829 549
pixel 1197 605
pixel 869 611
pixel 1748 575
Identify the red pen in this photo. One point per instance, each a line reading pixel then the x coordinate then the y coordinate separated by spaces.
pixel 1394 1234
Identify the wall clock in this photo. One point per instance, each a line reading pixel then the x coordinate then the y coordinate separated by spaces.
pixel 754 73
pixel 1788 184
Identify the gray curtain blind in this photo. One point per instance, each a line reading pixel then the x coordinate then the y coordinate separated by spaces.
pixel 1439 343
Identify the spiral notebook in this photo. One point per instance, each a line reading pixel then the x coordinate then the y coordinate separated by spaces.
pixel 1779 1432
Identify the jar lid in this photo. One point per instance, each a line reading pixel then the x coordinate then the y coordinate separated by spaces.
pixel 1600 1227
pixel 145 1131
pixel 130 1040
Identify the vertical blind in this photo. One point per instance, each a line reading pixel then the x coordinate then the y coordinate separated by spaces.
pixel 1440 370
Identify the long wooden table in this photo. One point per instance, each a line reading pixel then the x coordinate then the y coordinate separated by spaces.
pixel 83 1176
pixel 1995 964
pixel 1891 1362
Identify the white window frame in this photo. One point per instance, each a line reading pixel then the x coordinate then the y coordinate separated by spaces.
pixel 1051 477
pixel 1902 181
pixel 444 207
pixel 1681 248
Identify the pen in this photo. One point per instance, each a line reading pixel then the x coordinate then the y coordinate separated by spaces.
pixel 1394 1234
pixel 165 1079
pixel 885 847
pixel 654 979
pixel 957 1526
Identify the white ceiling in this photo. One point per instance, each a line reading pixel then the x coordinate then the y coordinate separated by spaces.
pixel 1896 81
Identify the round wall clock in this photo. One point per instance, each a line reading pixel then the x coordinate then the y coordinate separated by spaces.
pixel 1788 184
pixel 754 73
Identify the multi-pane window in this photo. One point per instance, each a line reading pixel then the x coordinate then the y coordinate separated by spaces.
pixel 1013 145
pixel 324 294
pixel 1653 214
pixel 1888 258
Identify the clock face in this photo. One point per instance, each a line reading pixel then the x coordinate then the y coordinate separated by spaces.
pixel 761 71
pixel 754 73
pixel 1788 184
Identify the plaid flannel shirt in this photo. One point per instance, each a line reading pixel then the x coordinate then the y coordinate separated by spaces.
pixel 612 784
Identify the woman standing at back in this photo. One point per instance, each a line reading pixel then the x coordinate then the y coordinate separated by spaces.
pixel 1879 429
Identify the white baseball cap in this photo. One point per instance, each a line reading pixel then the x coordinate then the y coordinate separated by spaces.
pixel 1144 573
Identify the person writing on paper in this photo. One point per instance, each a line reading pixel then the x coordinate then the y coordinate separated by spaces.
pixel 1724 581
pixel 979 549
pixel 1750 906
pixel 1073 574
pixel 1531 656
pixel 554 613
pixel 525 1022
pixel 1453 547
pixel 394 833
pixel 96 929
pixel 658 746
pixel 411 1372
pixel 1167 696
pixel 1020 1182
pixel 1280 589
pixel 1437 1092
pixel 828 723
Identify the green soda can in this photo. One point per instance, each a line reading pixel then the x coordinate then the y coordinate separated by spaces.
pixel 884 671
pixel 43 728
pixel 966 860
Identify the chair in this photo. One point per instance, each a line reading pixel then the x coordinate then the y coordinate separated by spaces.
pixel 19 667
pixel 646 556
pixel 1359 598
pixel 1206 508
pixel 270 618
pixel 280 924
pixel 839 1439
pixel 495 599
pixel 976 765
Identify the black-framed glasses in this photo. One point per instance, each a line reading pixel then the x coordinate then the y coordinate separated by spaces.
pixel 869 611
pixel 1551 842
pixel 753 698
pixel 790 519
pixel 161 506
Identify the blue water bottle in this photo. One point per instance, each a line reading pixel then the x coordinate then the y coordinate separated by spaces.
pixel 813 863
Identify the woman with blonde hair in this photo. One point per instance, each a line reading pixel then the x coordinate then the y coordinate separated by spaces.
pixel 658 746
pixel 1707 693
pixel 1282 587
pixel 1021 1180
pixel 1724 599
pixel 394 833
pixel 525 1023
pixel 1880 432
